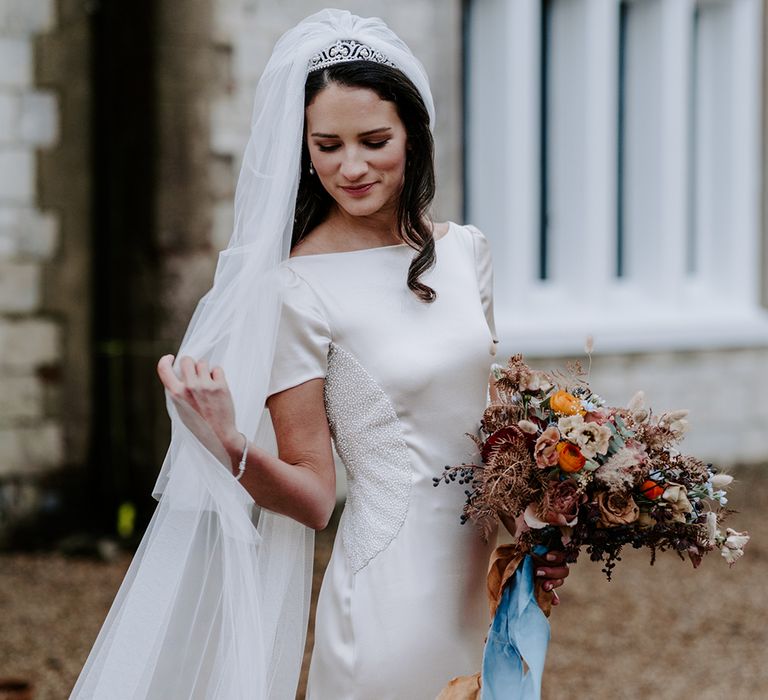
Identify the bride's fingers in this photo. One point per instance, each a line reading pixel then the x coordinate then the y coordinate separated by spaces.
pixel 203 373
pixel 188 371
pixel 217 374
pixel 550 572
pixel 168 376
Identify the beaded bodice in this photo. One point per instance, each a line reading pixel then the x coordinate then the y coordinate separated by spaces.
pixel 369 440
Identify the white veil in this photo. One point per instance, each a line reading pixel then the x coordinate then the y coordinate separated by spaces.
pixel 215 602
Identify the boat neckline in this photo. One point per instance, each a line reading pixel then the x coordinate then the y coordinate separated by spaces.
pixel 451 225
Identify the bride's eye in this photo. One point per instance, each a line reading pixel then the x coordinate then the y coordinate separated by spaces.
pixel 377 144
pixel 327 148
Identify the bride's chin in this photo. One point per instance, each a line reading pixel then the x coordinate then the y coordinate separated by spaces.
pixel 361 208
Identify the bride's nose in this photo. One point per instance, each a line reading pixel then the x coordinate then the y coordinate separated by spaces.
pixel 354 166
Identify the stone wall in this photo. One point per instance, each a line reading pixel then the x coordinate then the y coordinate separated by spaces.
pixel 209 55
pixel 31 432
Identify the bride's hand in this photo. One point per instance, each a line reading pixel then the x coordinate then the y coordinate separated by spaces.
pixel 203 400
pixel 553 569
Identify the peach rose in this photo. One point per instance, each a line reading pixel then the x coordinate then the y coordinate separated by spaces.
pixel 545 450
pixel 617 509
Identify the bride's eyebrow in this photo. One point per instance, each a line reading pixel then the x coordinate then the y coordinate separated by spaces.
pixel 363 133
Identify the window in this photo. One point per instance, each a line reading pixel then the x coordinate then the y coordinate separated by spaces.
pixel 613 160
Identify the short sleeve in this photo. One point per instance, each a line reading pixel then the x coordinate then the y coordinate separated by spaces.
pixel 303 337
pixel 484 268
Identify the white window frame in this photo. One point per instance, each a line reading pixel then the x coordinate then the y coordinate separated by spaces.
pixel 661 307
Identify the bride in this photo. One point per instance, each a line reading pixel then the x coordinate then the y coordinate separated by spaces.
pixel 357 321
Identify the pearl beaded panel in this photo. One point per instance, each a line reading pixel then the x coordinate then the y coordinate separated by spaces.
pixel 369 439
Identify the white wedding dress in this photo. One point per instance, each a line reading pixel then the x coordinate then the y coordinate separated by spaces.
pixel 402 607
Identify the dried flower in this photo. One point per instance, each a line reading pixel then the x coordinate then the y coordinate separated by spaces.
pixel 559 505
pixel 712 532
pixel 637 402
pixel 676 495
pixel 591 438
pixel 498 416
pixel 616 509
pixel 535 381
pixel 545 451
pixel 623 469
pixel 607 457
pixel 721 482
pixel 733 547
pixel 675 422
pixel 673 416
pixel 498 443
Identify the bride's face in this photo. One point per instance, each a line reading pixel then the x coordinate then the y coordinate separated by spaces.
pixel 357 145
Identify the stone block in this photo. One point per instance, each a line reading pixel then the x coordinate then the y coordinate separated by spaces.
pixel 19 287
pixel 28 343
pixel 17 175
pixel 227 20
pixel 21 398
pixel 717 387
pixel 15 62
pixel 39 119
pixel 27 233
pixel 26 16
pixel 32 449
pixel 222 177
pixel 229 127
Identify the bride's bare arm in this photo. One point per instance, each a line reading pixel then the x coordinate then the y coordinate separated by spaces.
pixel 301 481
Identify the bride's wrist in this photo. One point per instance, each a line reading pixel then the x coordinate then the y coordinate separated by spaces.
pixel 234 445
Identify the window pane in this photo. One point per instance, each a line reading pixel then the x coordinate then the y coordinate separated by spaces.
pixel 564 129
pixel 711 154
pixel 639 197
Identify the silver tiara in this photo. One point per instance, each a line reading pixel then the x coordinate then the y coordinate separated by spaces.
pixel 345 50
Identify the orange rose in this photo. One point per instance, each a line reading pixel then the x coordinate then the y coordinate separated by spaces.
pixel 651 490
pixel 566 404
pixel 569 457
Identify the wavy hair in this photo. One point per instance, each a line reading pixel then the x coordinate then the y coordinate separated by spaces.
pixel 313 203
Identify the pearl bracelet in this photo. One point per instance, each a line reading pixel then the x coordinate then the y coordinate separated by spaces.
pixel 241 466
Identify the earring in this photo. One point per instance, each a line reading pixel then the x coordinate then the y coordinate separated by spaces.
pixel 311 168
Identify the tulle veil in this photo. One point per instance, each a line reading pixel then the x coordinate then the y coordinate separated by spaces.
pixel 216 600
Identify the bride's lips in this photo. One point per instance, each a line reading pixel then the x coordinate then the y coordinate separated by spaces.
pixel 358 190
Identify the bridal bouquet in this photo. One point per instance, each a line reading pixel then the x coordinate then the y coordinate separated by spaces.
pixel 564 471
pixel 574 473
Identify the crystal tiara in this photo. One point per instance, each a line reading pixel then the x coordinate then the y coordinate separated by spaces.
pixel 345 50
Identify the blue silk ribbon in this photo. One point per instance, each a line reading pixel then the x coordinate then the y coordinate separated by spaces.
pixel 518 638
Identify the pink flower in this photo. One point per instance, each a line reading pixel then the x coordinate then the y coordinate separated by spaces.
pixel 559 505
pixel 601 416
pixel 545 451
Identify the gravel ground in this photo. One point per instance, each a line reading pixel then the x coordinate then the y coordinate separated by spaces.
pixel 661 632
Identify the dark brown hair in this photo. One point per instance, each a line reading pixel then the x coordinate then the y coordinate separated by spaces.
pixel 313 202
